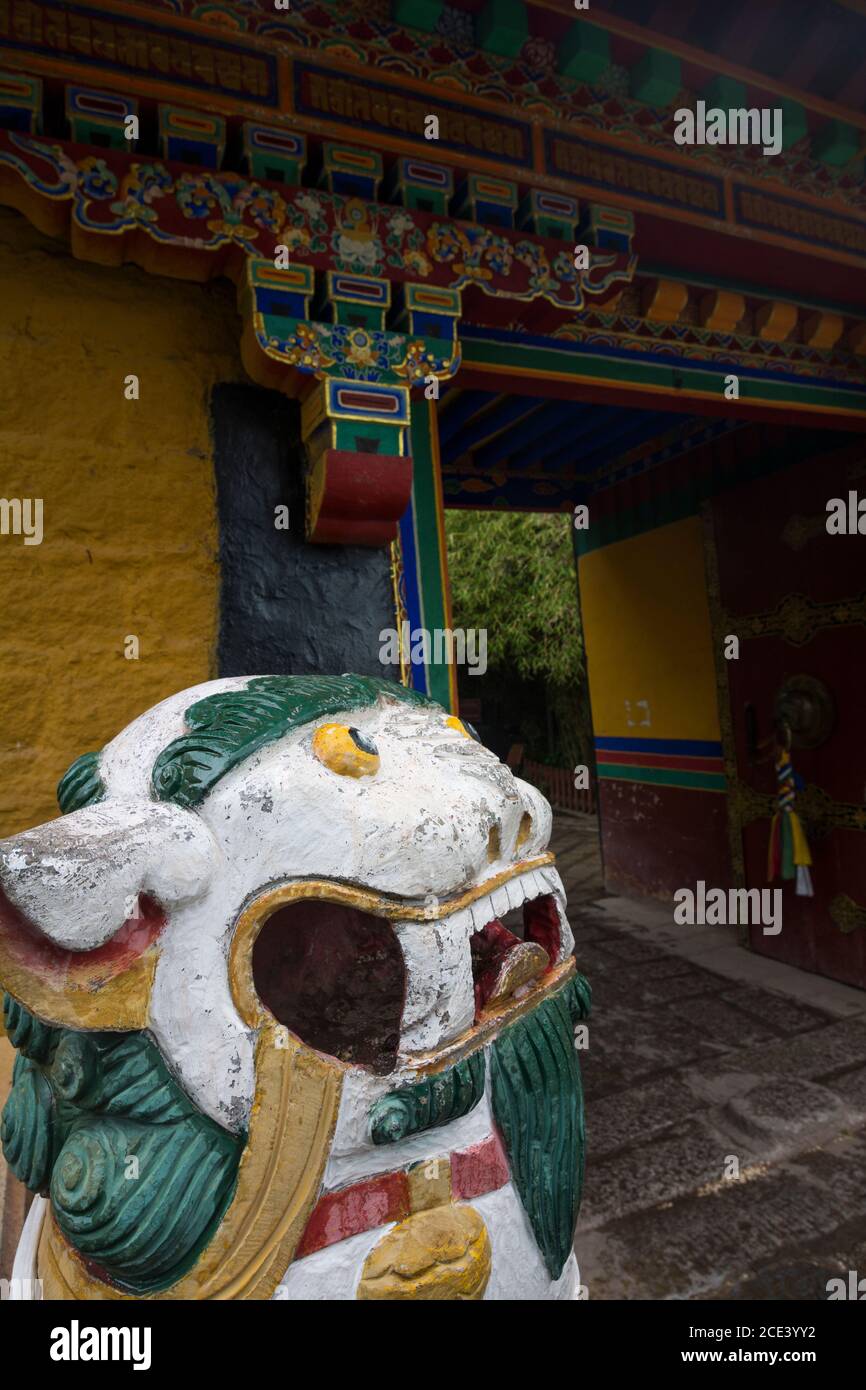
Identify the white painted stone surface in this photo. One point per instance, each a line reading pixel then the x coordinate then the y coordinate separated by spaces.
pixel 418 832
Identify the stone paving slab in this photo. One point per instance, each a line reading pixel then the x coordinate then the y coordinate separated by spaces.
pixel 724 1232
pixel 702 1052
pixel 688 1156
pixel 783 1013
pixel 664 1101
pixel 723 1021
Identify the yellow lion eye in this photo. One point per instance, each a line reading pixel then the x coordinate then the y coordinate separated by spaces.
pixel 462 727
pixel 345 751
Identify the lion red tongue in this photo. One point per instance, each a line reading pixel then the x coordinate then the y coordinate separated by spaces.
pixel 501 963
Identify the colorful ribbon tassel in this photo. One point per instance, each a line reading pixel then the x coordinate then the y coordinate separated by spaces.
pixel 789 855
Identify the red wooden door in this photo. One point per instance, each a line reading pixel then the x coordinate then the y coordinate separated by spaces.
pixel 796 597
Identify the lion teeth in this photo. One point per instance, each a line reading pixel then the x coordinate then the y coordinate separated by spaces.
pixel 516 894
pixel 440 1002
pixel 501 903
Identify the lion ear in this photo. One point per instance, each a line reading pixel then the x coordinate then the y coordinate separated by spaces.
pixel 77 878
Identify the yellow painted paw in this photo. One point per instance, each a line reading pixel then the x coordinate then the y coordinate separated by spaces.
pixel 438 1254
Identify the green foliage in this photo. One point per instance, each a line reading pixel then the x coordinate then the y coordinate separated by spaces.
pixel 513 574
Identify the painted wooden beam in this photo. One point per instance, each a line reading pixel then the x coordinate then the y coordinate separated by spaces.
pixel 418 14
pixel 551 421
pixel 823 330
pixel 794 123
pixel 562 441
pixel 735 52
pixel 503 27
pixel 823 43
pixel 21 102
pixel 857 339
pixel 457 412
pixel 721 310
pixel 584 52
pixel 632 428
pixel 509 410
pixel 490 357
pixel 664 300
pixel 836 143
pixel 741 40
pixel 775 321
pixel 656 78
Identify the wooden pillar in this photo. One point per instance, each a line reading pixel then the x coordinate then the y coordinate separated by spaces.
pixel 424 588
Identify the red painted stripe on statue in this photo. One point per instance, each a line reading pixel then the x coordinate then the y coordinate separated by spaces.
pixel 378 1201
pixel 361 1207
pixel 481 1168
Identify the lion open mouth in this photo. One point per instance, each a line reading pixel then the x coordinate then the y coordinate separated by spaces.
pixel 370 981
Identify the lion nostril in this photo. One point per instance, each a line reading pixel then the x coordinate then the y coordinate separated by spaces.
pixel 494 847
pixel 524 830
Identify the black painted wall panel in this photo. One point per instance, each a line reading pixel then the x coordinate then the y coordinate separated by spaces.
pixel 286 607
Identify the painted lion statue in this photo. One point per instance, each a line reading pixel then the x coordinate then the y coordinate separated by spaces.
pixel 274 1037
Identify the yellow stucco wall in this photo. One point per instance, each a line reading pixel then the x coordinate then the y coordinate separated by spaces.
pixel 647 629
pixel 130 535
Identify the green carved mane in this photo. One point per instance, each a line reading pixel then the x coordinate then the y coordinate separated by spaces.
pixel 138 1178
pixel 224 729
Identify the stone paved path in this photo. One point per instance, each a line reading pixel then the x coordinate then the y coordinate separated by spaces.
pixel 701 1053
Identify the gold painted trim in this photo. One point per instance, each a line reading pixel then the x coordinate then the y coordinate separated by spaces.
pixel 493 1020
pixel 121 1001
pixel 847 914
pixel 253 918
pixel 796 618
pixel 291 1130
pixel 398 584
pixel 814 805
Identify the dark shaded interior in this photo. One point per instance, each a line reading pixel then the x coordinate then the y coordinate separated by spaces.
pixel 536 921
pixel 335 977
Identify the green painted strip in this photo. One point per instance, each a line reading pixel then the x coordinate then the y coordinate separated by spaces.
pixel 428 543
pixel 668 375
pixel 663 777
